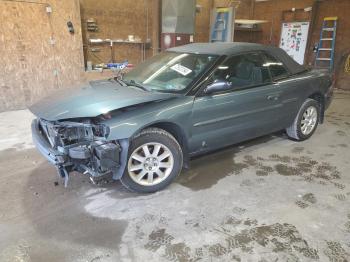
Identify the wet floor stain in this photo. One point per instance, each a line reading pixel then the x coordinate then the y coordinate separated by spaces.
pixel 304 167
pixel 339 185
pixel 247 182
pixel 202 176
pixel 339 146
pixel 177 252
pixel 301 204
pixel 234 237
pixel 340 197
pixel 328 154
pixel 335 252
pixel 274 239
pixel 16 253
pixel 341 133
pixel 347 225
pixel 277 237
pixel 298 150
pixel 306 200
pixel 338 120
pixel 309 197
pixel 157 239
pixel 343 145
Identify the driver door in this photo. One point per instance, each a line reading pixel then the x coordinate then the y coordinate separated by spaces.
pixel 248 108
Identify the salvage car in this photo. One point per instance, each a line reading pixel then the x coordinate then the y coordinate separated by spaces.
pixel 144 128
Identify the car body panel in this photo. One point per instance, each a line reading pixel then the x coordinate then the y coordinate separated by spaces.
pixel 249 113
pixel 91 100
pixel 219 120
pixel 177 110
pixel 204 118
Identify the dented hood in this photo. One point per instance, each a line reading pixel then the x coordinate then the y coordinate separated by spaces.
pixel 96 98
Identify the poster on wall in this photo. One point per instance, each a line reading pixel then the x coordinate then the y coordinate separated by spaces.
pixel 294 39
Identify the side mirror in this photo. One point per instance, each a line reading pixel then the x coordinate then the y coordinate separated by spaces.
pixel 217 86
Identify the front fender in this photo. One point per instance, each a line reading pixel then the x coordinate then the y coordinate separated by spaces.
pixel 127 124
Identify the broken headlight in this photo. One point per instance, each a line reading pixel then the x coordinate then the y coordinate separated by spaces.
pixel 69 132
pixel 77 132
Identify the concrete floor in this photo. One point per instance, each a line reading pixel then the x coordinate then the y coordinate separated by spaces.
pixel 269 199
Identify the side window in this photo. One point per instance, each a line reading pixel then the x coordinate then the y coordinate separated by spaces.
pixel 276 67
pixel 243 71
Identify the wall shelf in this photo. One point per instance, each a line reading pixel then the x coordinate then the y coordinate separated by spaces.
pixel 249 25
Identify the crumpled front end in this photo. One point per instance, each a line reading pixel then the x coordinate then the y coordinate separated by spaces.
pixel 77 146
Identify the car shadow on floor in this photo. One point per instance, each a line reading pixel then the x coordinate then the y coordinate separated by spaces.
pixel 206 170
pixel 57 213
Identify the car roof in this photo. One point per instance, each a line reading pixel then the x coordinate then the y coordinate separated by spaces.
pixel 235 48
pixel 228 48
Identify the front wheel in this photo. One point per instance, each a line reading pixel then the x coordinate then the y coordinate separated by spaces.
pixel 155 159
pixel 306 121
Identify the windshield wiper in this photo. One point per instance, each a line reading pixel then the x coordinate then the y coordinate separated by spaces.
pixel 136 84
pixel 116 79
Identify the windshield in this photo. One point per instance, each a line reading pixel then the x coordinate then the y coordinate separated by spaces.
pixel 170 71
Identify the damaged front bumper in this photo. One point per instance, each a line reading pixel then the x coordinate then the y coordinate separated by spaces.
pixel 44 147
pixel 90 155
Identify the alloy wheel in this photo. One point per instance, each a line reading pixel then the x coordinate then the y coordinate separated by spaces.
pixel 150 164
pixel 309 120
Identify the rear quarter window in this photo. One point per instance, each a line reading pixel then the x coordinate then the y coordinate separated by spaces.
pixel 276 67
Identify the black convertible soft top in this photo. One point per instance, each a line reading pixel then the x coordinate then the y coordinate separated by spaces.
pixel 235 48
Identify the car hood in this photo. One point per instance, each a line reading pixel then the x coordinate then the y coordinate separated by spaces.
pixel 98 97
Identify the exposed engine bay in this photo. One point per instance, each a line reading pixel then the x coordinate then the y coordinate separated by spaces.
pixel 81 146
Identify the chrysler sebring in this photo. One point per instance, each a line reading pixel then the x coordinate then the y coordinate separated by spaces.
pixel 144 127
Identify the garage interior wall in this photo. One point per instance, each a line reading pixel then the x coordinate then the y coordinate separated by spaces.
pixel 116 19
pixel 39 55
pixel 271 10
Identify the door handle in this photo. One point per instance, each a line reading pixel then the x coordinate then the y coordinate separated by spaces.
pixel 273 97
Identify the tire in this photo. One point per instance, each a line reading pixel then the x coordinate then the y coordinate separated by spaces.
pixel 155 158
pixel 300 131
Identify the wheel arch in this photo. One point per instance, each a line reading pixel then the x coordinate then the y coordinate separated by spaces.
pixel 321 100
pixel 178 133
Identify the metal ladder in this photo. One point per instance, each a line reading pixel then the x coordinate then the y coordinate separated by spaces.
pixel 219 33
pixel 329 27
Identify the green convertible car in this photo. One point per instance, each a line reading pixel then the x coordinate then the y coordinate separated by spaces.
pixel 144 128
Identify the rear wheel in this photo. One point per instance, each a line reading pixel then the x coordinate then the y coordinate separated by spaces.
pixel 306 121
pixel 155 159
